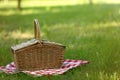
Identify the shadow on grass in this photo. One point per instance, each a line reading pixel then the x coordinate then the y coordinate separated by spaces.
pixel 76 16
pixel 48 16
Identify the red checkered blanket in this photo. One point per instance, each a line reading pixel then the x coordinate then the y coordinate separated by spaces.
pixel 67 65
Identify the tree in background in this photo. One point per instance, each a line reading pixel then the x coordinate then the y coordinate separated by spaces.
pixel 19 5
pixel 91 2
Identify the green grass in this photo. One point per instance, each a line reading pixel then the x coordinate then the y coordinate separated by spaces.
pixel 90 32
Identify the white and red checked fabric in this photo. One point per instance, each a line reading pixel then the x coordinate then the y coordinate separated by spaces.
pixel 67 65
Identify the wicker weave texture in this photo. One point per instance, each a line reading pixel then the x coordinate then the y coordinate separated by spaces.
pixel 38 57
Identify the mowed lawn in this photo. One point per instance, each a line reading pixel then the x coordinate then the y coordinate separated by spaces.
pixel 90 32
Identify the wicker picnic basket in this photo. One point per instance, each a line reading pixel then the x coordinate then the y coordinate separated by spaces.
pixel 38 54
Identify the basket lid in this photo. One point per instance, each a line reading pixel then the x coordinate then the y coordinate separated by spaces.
pixel 32 42
pixel 25 44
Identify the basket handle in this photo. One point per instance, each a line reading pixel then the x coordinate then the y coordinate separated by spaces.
pixel 37 30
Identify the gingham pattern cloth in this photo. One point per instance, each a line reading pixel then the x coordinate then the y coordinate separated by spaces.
pixel 67 65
